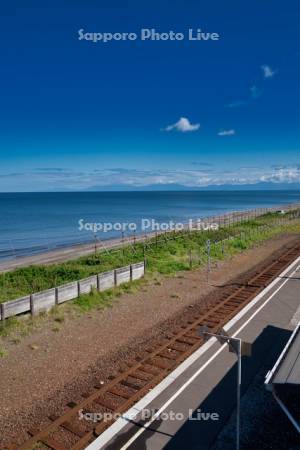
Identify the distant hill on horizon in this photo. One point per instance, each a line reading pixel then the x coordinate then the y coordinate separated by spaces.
pixel 179 187
pixel 173 187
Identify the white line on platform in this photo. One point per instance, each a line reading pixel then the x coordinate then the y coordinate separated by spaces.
pixel 139 406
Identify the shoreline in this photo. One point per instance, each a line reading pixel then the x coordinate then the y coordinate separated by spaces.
pixel 78 250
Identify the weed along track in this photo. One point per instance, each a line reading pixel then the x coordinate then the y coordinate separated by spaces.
pixel 68 431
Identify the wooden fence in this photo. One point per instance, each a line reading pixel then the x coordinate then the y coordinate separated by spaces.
pixel 45 300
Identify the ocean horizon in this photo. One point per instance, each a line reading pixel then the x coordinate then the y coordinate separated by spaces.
pixel 36 222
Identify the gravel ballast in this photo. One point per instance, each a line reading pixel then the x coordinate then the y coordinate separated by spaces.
pixel 49 368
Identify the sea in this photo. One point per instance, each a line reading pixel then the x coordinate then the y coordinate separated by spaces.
pixel 33 223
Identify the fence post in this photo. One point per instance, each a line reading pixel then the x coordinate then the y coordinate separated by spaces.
pixel 95 243
pixel 2 312
pixel 131 271
pixel 123 251
pixel 191 261
pixel 208 247
pixel 31 305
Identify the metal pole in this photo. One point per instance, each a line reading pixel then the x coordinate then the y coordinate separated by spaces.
pixel 235 344
pixel 238 399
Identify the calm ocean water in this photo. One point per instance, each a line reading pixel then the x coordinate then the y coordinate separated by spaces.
pixel 35 222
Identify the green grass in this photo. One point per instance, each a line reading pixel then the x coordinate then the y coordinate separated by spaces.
pixel 101 300
pixel 18 327
pixel 166 258
pixel 95 299
pixel 3 352
pixel 11 324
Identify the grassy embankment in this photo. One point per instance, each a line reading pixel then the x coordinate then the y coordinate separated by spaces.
pixel 172 253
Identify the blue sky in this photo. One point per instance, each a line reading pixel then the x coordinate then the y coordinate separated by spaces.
pixel 81 115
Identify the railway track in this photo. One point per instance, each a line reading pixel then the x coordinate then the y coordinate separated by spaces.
pixel 68 432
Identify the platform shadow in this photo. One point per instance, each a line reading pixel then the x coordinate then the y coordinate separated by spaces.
pixel 200 434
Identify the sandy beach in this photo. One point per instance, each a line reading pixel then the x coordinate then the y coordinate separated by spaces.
pixel 76 251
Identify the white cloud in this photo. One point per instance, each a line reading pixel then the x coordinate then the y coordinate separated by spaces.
pixel 226 132
pixel 236 104
pixel 97 179
pixel 283 175
pixel 183 125
pixel 268 71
